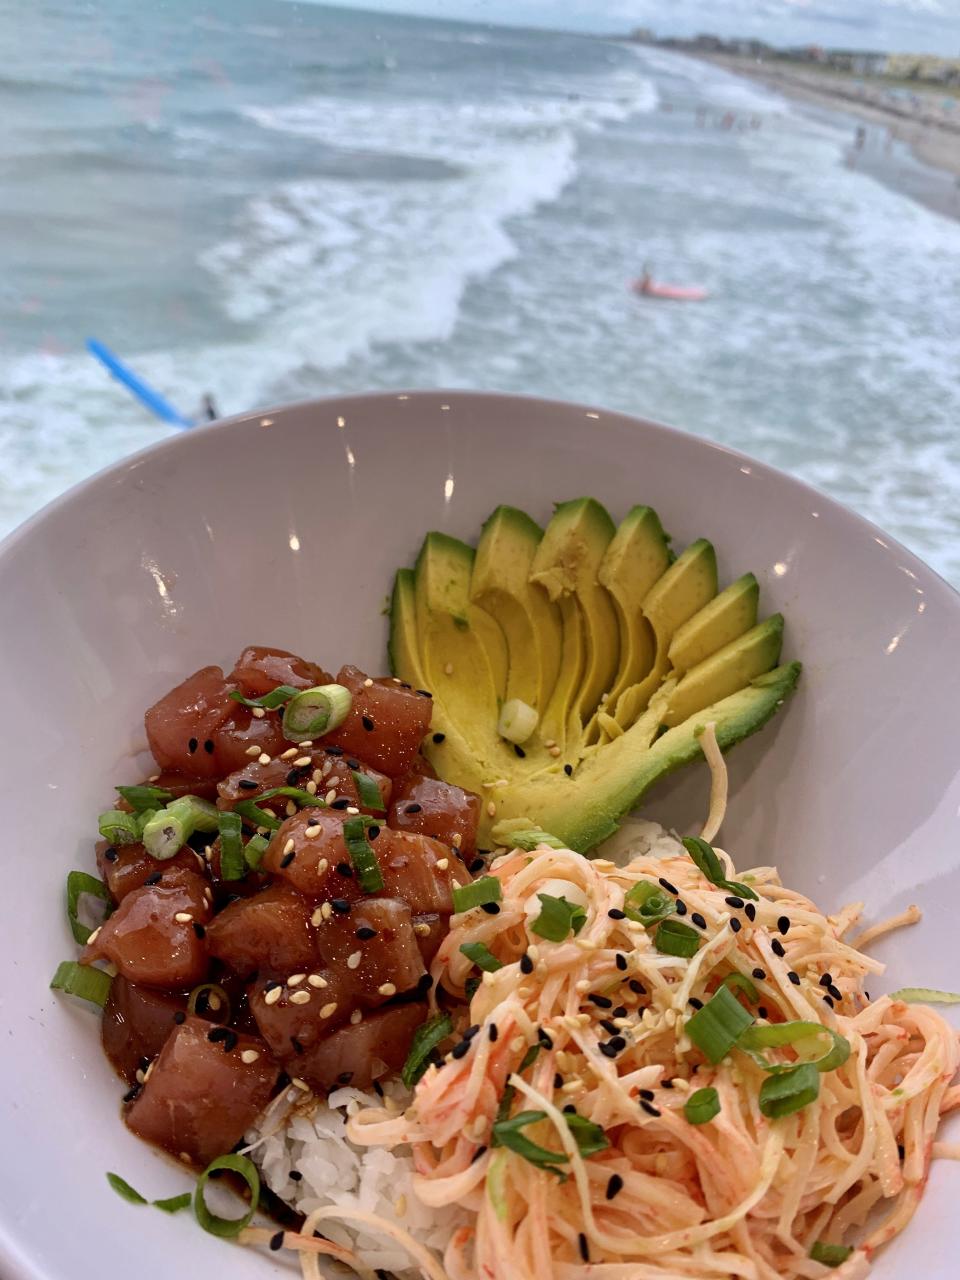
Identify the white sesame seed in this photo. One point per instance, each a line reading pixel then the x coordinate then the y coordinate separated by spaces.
pixel 290 809
pixel 421 929
pixel 289 753
pixel 301 762
pixel 289 846
pixel 300 997
pixel 457 840
pixel 356 1017
pixel 491 808
pixel 311 788
pixel 213 1001
pixel 442 864
pixel 259 712
pixel 387 989
pixel 326 910
pixel 263 758
pixel 585 944
pixel 184 1156
pixel 183 917
pixel 353 960
pixel 252 751
pixel 307 742
pixel 93 936
pixel 584 985
pixel 331 795
pixel 315 980
pixel 272 996
pixel 518 1043
pixel 572 1086
pixel 400 1206
pixel 139 1076
pixel 533 951
pixel 550 742
pixel 317 917
pixel 555 752
pixel 322 866
pixel 300 1084
pixel 249 1055
pixel 154 777
pixel 295 979
pixel 368 683
pixel 351 810
pixel 317 774
pixel 310 832
pixel 329 1010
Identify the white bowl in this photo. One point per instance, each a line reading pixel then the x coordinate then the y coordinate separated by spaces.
pixel 285 528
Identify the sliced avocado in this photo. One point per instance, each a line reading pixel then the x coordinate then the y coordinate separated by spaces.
pixel 726 617
pixel 688 585
pixel 584 809
pixel 565 565
pixel 727 670
pixel 530 623
pixel 636 558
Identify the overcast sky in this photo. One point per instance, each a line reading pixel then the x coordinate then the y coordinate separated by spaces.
pixel 932 25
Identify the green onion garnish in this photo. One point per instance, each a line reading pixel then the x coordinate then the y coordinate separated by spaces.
pixel 257 817
pixel 293 793
pixel 589 1137
pixel 557 917
pixel 123 1188
pixel 702 1106
pixel 227 1227
pixel 140 799
pixel 471 987
pixel 647 904
pixel 477 893
pixel 119 827
pixel 79 883
pixel 830 1255
pixel 425 1040
pixel 83 981
pixel 529 1058
pixel 314 712
pixel 173 1204
pixel 270 701
pixel 711 867
pixel 233 863
pixel 790 1091
pixel 362 856
pixel 675 939
pixel 924 995
pixel 507 1133
pixel 716 1028
pixel 742 983
pixel 254 850
pixel 795 1034
pixel 497 1185
pixel 209 999
pixel 368 789
pixel 169 829
pixel 530 838
pixel 482 956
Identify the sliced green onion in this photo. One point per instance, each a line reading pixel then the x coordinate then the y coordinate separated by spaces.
pixel 925 995
pixel 227 1227
pixel 790 1091
pixel 314 712
pixel 209 999
pixel 254 850
pixel 557 917
pixel 169 829
pixel 293 793
pixel 482 956
pixel 794 1034
pixel 83 981
pixel 529 839
pixel 233 863
pixel 508 1133
pixel 588 1136
pixel 647 904
pixel 362 856
pixel 123 1188
pixel 675 939
pixel 711 867
pixel 173 1204
pixel 142 798
pixel 79 883
pixel 529 1058
pixel 257 817
pixel 477 893
pixel 742 983
pixel 119 827
pixel 270 701
pixel 497 1185
pixel 702 1106
pixel 517 720
pixel 830 1255
pixel 425 1040
pixel 368 789
pixel 716 1028
pixel 471 987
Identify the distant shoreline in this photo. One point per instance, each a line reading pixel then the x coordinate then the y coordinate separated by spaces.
pixel 935 143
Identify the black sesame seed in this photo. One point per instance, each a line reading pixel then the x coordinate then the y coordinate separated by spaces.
pixel 353 764
pixel 344 869
pixel 192 745
pixel 476 865
pixel 697 919
pixel 471 1032
pixel 618 1044
pixel 794 978
pixel 619 1012
pixel 372 832
pixel 735 902
pixel 111 855
pixel 292 778
pixel 646 1093
pixel 270 984
pixel 614 1186
pixel 340 905
pixel 620 961
pixel 759 974
pixel 424 983
pixel 491 908
pixel 783 924
pixel 649 1108
pixel 132 1093
pixel 208 746
pixel 334 751
pixel 545 1038
pixel 557 1080
pixel 694 1003
pixel 901 1150
pixel 424 693
pixel 637 987
pixel 751 911
pixel 228 1037
pixel 826 980
pixel 287 858
pixel 179 1017
pixel 492 1033
pixel 569 1109
pixel 477 1154
pixel 607 1050
pixel 776 946
pixel 199 930
pixel 247 784
pixel 340 804
pixel 365 932
pixel 611 1028
pixel 519 751
pixel 378 1088
pixel 602 1002
pixel 735 924
pixel 154 879
pixel 413 808
pixel 459 1050
pixel 616 914
pixel 367 723
pixel 666 1084
pixel 568 770
pixel 828 1001
pixel 297 1047
pixel 835 992
pixel 526 964
pixel 295 1175
pixel 344 1077
pixel 439 737
pixel 668 886
pixel 583 1246
pixel 143 1064
pixel 761 1011
pixel 276 1241
pixel 680 908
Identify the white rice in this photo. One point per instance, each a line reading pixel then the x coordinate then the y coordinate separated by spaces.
pixel 334 1171
pixel 638 838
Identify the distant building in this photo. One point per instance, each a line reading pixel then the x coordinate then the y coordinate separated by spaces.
pixel 924 67
pixel 643 35
pixel 858 61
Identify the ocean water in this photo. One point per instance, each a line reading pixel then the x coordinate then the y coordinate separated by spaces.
pixel 267 201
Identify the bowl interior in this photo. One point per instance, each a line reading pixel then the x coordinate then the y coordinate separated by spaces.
pixel 285 528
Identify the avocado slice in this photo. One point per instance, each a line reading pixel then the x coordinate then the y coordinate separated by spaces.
pixel 566 565
pixel 636 558
pixel 727 670
pixel 530 623
pixel 726 617
pixel 584 809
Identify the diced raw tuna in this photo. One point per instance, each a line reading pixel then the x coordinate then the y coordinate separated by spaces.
pixel 270 931
pixel 437 809
pixel 360 1053
pixel 386 723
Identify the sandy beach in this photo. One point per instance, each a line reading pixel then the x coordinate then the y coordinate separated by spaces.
pixel 922 125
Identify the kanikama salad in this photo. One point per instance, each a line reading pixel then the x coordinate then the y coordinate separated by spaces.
pixel 417 1057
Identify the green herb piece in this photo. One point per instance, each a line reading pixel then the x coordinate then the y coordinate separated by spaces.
pixel 368 789
pixel 497 1185
pixel 82 981
pixel 717 1027
pixel 482 956
pixel 140 799
pixel 254 850
pixel 173 1204
pixel 557 917
pixel 647 903
pixel 830 1255
pixel 742 983
pixel 270 701
pixel 169 829
pixel 250 812
pixel 530 838
pixel 476 894
pixel 509 1134
pixel 675 939
pixel 471 987
pixel 302 797
pixel 362 857
pixel 233 863
pixel 124 1189
pixel 529 1058
pixel 119 827
pixel 702 1106
pixel 588 1136
pixel 314 712
pixel 225 1228
pixel 425 1040
pixel 925 995
pixel 711 867
pixel 800 1036
pixel 789 1091
pixel 78 884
